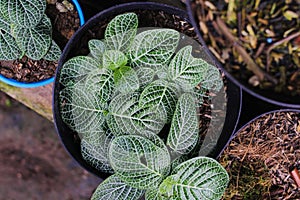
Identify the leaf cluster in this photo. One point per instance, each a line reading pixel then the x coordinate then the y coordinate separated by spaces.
pixel 119 101
pixel 25 29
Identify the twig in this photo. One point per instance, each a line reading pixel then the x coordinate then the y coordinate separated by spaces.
pixel 274 45
pixel 248 60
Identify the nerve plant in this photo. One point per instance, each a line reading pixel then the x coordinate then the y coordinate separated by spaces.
pixel 25 29
pixel 121 96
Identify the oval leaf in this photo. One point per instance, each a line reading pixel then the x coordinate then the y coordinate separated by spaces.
pixel 154 48
pixel 183 134
pixel 26 13
pixel 94 150
pixel 145 75
pixel 187 70
pixel 76 69
pixel 97 48
pixel 35 41
pixel 81 109
pixel 197 178
pixel 53 53
pixel 138 161
pixel 101 82
pixel 213 80
pixel 120 32
pixel 9 49
pixel 113 188
pixel 126 80
pixel 153 194
pixel 161 97
pixel 114 59
pixel 126 117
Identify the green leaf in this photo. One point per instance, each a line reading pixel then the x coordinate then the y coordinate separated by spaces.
pixel 213 80
pixel 186 70
pixel 183 134
pixel 153 48
pixel 9 49
pixel 153 194
pixel 198 178
pixel 101 82
pixel 77 68
pixel 4 12
pixel 126 80
pixel 138 161
pixel 35 41
pixel 120 32
pixel 97 48
pixel 81 109
pixel 26 13
pixel 53 53
pixel 126 117
pixel 94 149
pixel 114 59
pixel 113 188
pixel 161 97
pixel 145 76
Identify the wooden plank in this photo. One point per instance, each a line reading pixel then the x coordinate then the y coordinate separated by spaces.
pixel 38 99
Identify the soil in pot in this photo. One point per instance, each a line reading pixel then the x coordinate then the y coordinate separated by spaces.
pixel 260 157
pixel 256 41
pixel 65 22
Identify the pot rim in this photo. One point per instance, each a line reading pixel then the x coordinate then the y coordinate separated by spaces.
pixel 233 79
pixel 21 84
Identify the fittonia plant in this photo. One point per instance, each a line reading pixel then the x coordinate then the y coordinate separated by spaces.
pixel 118 101
pixel 26 30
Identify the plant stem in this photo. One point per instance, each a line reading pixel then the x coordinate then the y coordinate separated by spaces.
pixel 248 60
pixel 274 45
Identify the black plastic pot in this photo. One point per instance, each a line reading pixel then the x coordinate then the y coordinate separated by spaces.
pixel 266 96
pixel 78 44
pixel 92 7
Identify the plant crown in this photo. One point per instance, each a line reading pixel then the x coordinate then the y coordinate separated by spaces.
pixel 117 99
pixel 25 29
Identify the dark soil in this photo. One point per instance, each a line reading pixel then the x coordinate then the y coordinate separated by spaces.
pixel 33 162
pixel 260 157
pixel 64 24
pixel 263 31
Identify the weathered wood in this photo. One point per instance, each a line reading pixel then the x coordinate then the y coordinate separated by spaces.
pixel 38 99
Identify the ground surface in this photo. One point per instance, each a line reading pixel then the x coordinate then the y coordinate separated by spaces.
pixel 33 162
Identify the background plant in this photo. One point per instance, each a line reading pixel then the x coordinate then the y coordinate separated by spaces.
pixel 118 101
pixel 26 30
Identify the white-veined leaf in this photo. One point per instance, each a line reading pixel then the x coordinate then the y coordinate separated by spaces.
pixel 4 12
pixel 153 194
pixel 35 41
pixel 53 53
pixel 120 32
pixel 94 149
pixel 162 72
pixel 77 68
pixel 126 117
pixel 145 75
pixel 26 13
pixel 183 134
pixel 113 188
pixel 81 109
pixel 198 178
pixel 213 80
pixel 101 82
pixel 161 96
pixel 97 48
pixel 114 59
pixel 153 48
pixel 186 70
pixel 9 49
pixel 138 161
pixel 126 80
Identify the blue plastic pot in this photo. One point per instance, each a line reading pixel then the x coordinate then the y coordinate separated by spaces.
pixel 19 84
